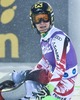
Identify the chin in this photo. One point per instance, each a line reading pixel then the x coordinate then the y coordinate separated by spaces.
pixel 43 31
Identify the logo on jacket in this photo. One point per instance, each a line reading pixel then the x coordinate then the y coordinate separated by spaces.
pixel 46 49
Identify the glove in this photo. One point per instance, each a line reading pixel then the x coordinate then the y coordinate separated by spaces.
pixel 18 77
pixel 45 91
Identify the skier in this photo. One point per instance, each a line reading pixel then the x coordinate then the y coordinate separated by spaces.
pixel 55 74
pixel 58 63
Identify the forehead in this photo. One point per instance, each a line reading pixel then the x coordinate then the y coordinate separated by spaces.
pixel 41 15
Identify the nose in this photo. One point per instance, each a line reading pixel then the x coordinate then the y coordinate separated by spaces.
pixel 42 22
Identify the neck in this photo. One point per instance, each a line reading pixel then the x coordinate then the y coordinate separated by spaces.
pixel 44 34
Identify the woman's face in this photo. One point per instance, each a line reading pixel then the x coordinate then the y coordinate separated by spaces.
pixel 42 22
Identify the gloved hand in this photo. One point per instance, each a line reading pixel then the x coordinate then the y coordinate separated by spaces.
pixel 45 91
pixel 18 77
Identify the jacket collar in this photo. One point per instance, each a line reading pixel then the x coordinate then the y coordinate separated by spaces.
pixel 50 33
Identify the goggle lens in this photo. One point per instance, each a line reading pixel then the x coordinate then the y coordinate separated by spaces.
pixel 40 17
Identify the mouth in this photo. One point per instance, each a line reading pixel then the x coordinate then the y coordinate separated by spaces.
pixel 43 29
pixel 42 26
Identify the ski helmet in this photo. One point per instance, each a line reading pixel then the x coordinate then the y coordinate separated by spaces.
pixel 39 8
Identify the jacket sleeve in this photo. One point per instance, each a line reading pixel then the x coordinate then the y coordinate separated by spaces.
pixel 59 45
pixel 42 64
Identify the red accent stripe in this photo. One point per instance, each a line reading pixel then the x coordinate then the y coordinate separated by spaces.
pixel 61 67
pixel 39 66
pixel 56 79
pixel 66 92
pixel 72 81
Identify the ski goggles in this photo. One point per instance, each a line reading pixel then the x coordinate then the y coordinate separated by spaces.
pixel 41 17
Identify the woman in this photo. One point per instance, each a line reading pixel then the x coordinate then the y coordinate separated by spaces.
pixel 55 73
pixel 59 58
